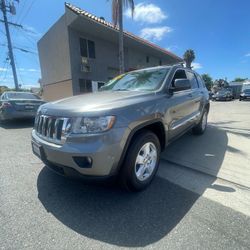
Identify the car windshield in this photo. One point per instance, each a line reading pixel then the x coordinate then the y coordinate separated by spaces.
pixel 22 95
pixel 246 91
pixel 143 80
pixel 223 91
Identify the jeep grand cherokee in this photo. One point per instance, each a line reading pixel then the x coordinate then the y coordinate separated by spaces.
pixel 121 130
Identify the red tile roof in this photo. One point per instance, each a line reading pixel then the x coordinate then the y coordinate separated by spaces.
pixel 112 26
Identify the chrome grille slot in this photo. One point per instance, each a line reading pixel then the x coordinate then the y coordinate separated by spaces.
pixel 52 129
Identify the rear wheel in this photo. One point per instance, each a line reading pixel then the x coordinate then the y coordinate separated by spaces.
pixel 141 162
pixel 200 128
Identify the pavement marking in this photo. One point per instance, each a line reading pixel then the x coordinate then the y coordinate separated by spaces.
pixel 224 192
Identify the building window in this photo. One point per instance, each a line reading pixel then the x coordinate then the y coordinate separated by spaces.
pixel 147 59
pixel 91 49
pixel 85 86
pixel 87 48
pixel 160 62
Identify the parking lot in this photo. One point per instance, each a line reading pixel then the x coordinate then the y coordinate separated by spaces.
pixel 200 199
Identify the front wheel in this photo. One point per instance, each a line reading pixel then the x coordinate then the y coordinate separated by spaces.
pixel 200 128
pixel 141 162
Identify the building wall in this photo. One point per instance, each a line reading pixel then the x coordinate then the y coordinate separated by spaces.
pixel 105 66
pixel 102 67
pixel 60 58
pixel 137 59
pixel 54 54
pixel 57 90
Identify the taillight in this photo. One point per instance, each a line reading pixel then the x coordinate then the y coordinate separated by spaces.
pixel 6 105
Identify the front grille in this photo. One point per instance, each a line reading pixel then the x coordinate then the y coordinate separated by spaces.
pixel 51 128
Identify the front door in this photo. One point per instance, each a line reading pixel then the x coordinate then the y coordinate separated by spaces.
pixel 181 108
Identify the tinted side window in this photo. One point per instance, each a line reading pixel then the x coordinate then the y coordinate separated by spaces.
pixel 193 80
pixel 201 82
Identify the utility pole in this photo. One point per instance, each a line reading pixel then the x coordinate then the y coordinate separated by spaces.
pixel 3 7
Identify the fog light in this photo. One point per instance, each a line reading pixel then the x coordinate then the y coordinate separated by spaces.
pixel 83 162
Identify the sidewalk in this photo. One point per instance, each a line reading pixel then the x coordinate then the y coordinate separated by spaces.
pixel 224 150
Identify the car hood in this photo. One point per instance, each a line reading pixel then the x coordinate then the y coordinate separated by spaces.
pixel 99 101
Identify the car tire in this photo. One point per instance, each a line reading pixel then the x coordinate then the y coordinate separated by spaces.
pixel 141 161
pixel 200 128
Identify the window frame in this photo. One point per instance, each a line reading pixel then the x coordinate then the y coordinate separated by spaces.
pixel 171 82
pixel 203 85
pixel 85 86
pixel 87 48
pixel 197 83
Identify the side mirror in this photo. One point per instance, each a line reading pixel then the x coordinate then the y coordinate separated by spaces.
pixel 181 84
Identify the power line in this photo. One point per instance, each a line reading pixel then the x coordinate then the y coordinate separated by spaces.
pixel 21 11
pixel 28 10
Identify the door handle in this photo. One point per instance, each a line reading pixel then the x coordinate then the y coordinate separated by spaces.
pixel 190 95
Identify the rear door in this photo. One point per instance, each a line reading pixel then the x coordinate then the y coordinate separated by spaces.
pixel 197 94
pixel 181 107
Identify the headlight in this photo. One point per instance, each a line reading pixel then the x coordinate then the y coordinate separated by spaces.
pixel 88 125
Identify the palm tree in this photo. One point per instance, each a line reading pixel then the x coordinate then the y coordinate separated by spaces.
pixel 189 57
pixel 117 12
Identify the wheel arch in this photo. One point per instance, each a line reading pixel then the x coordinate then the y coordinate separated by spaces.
pixel 155 126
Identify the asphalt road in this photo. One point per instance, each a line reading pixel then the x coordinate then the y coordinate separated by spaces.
pixel 41 210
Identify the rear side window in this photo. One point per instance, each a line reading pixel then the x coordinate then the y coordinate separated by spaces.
pixel 192 79
pixel 201 82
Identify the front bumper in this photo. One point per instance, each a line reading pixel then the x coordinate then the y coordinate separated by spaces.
pixel 245 97
pixel 105 150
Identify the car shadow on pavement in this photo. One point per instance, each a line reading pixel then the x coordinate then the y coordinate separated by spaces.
pixel 112 215
pixel 17 124
pixel 120 218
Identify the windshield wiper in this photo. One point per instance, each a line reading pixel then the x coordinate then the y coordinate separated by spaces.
pixel 121 89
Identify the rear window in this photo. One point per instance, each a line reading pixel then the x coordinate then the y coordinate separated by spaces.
pixel 246 90
pixel 24 95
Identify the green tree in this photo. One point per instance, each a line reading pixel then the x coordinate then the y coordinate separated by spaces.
pixel 117 16
pixel 208 80
pixel 189 57
pixel 239 79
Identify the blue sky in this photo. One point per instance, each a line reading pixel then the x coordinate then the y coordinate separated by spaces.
pixel 218 31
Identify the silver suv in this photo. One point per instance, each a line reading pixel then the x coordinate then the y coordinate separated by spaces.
pixel 121 130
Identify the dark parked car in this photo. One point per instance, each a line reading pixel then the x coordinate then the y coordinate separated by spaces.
pixel 245 94
pixel 223 95
pixel 121 130
pixel 15 105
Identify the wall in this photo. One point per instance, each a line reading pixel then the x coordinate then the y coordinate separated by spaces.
pixel 105 65
pixel 54 55
pixel 57 91
pixel 106 57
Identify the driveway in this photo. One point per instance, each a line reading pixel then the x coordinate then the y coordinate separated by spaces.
pixel 41 210
pixel 224 150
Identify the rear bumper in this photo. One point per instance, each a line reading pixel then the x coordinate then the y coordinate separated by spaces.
pixel 222 98
pixel 104 150
pixel 9 115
